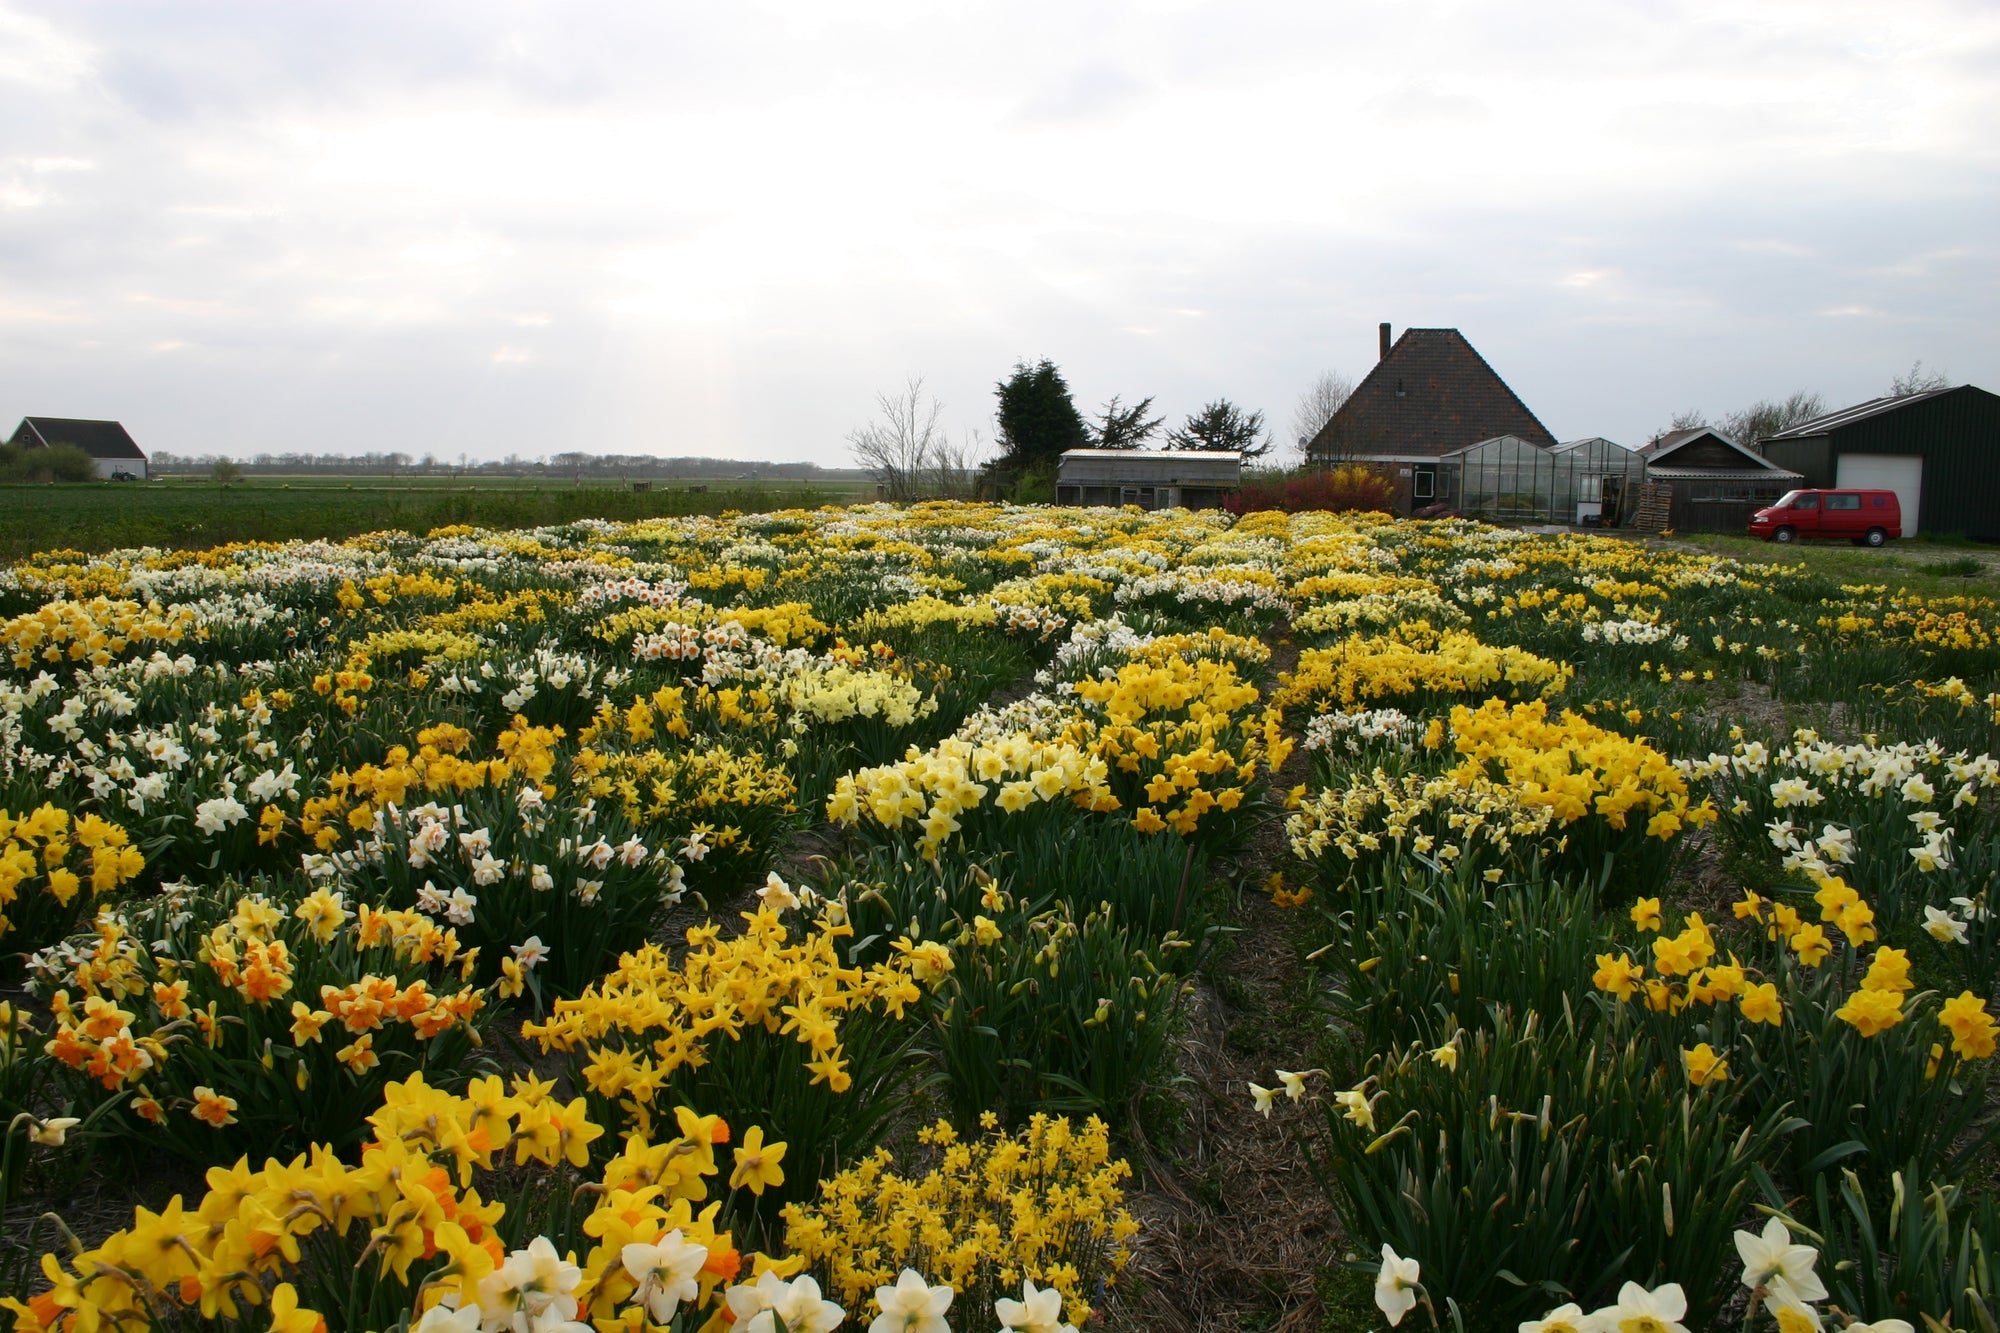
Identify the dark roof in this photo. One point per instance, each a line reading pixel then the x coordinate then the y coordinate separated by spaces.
pixel 1431 394
pixel 99 439
pixel 1847 416
pixel 1674 442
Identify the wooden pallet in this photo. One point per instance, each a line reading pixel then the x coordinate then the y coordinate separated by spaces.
pixel 1656 507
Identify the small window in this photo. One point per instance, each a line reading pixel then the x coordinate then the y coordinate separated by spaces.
pixel 1843 502
pixel 1423 484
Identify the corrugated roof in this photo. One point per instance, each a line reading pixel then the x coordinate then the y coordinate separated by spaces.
pixel 1218 455
pixel 1847 416
pixel 1769 473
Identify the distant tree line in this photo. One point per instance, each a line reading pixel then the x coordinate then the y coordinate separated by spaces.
pixel 573 465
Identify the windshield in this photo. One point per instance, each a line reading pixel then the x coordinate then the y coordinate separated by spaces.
pixel 1785 501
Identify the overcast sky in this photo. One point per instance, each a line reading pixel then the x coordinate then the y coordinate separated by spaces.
pixel 491 228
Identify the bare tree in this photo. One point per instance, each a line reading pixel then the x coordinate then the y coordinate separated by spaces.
pixel 1317 405
pixel 1767 417
pixel 909 451
pixel 1918 380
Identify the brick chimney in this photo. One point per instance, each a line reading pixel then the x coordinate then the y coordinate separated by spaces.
pixel 1385 343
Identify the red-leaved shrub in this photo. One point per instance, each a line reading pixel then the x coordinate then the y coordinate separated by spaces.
pixel 1336 490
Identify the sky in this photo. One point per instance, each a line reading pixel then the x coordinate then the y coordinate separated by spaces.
pixel 484 227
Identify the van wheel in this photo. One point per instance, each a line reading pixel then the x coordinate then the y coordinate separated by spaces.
pixel 1784 536
pixel 1876 537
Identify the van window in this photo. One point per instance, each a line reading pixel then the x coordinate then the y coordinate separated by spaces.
pixel 1805 502
pixel 1843 502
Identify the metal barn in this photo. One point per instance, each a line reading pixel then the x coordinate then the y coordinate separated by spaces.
pixel 1939 451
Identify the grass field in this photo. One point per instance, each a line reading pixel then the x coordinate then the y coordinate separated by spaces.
pixel 199 513
pixel 1933 569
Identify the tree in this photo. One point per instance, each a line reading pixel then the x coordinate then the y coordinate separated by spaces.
pixel 1126 427
pixel 1918 380
pixel 225 471
pixel 57 462
pixel 1037 418
pixel 1767 417
pixel 1222 425
pixel 907 449
pixel 1316 406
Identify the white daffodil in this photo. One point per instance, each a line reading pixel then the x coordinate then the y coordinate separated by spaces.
pixel 444 1319
pixel 667 1271
pixel 1640 1311
pixel 757 1306
pixel 1772 1255
pixel 1038 1311
pixel 1295 1084
pixel 1396 1285
pixel 1943 926
pixel 1262 1096
pixel 777 895
pixel 912 1306
pixel 50 1133
pixel 1562 1319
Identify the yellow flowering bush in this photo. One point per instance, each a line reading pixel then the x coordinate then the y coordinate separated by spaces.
pixel 322 1243
pixel 1453 662
pixel 762 1025
pixel 218 1021
pixel 95 632
pixel 1802 1011
pixel 1526 786
pixel 1044 1203
pixel 52 866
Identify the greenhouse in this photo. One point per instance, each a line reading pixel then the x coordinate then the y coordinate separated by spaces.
pixel 1591 482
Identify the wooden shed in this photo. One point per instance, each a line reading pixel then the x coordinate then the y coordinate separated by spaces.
pixel 1939 451
pixel 1700 480
pixel 1149 478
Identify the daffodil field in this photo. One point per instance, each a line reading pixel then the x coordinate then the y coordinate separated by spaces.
pixel 796 921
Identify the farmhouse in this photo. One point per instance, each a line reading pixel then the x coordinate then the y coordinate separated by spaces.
pixel 1430 394
pixel 106 442
pixel 1149 478
pixel 1939 451
pixel 1700 480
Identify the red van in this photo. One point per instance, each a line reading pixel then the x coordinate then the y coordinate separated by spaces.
pixel 1866 518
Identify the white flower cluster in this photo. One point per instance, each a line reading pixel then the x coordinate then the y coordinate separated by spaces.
pixel 1352 731
pixel 1632 632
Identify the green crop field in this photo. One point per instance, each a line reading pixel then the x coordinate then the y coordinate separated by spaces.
pixel 191 512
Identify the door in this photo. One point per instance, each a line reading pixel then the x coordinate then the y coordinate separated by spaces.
pixel 1887 472
pixel 1842 516
pixel 1803 516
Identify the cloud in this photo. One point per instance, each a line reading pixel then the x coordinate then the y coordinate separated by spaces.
pixel 722 230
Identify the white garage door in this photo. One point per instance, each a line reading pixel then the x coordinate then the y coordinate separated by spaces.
pixel 1886 472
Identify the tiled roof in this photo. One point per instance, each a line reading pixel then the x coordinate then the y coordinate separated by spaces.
pixel 1430 395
